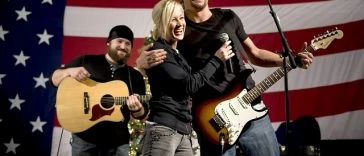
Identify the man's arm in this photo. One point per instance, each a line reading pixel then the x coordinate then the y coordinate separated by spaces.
pixel 58 75
pixel 261 57
pixel 265 58
pixel 78 73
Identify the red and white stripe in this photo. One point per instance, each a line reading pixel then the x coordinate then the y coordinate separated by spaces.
pixel 330 90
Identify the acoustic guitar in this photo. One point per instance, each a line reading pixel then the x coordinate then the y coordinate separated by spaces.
pixel 81 105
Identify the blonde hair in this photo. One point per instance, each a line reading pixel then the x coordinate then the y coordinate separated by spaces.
pixel 161 15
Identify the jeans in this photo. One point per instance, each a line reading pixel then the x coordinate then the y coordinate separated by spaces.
pixel 83 148
pixel 160 140
pixel 258 139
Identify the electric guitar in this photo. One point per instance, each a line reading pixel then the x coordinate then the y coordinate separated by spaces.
pixel 222 119
pixel 81 105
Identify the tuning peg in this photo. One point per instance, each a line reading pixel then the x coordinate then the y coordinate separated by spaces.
pixel 335 31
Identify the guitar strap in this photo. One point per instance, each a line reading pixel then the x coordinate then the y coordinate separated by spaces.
pixel 115 67
pixel 130 84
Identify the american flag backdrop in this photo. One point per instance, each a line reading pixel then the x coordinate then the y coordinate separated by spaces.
pixel 38 36
pixel 31 34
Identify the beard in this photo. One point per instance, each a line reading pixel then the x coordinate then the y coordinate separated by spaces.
pixel 198 6
pixel 119 58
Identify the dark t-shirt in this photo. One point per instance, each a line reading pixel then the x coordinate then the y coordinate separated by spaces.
pixel 201 41
pixel 107 133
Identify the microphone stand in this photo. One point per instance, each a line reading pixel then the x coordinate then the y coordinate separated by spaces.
pixel 286 53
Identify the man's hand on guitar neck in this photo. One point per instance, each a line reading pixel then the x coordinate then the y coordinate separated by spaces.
pixel 304 58
pixel 135 106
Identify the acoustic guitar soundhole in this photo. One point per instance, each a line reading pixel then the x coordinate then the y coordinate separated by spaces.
pixel 107 101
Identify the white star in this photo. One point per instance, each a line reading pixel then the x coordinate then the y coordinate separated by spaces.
pixel 20 59
pixel 3 33
pixel 40 81
pixel 2 76
pixel 22 14
pixel 11 146
pixel 16 102
pixel 1 120
pixel 47 1
pixel 44 37
pixel 37 125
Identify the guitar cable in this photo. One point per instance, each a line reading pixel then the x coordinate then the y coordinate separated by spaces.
pixel 222 142
pixel 59 143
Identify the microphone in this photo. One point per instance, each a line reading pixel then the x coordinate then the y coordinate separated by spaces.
pixel 229 64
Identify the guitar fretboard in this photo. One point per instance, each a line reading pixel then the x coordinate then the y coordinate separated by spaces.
pixel 122 100
pixel 251 95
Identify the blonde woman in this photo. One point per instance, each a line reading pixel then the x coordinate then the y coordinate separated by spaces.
pixel 168 126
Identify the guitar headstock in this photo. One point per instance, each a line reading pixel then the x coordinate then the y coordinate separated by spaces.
pixel 324 40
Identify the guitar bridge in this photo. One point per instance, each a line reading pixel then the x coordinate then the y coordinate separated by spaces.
pixel 217 123
pixel 86 102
